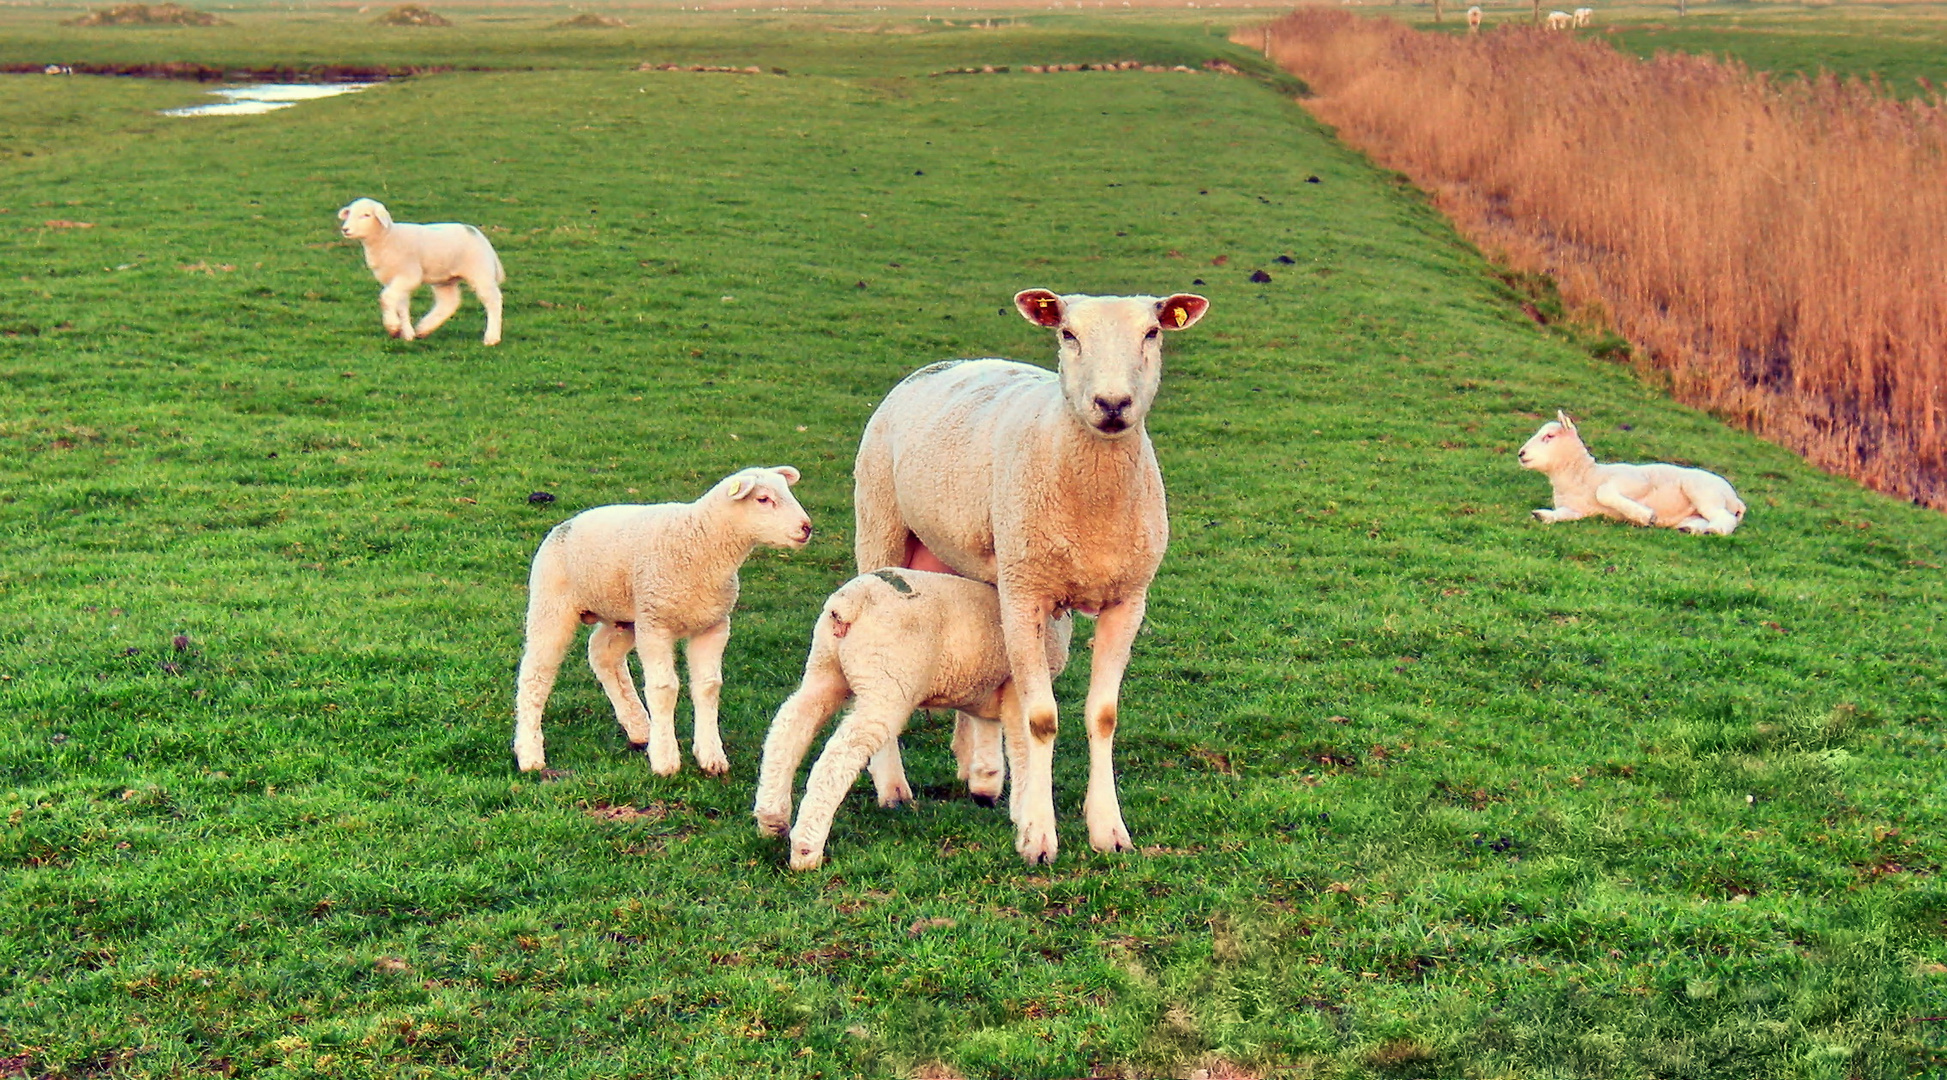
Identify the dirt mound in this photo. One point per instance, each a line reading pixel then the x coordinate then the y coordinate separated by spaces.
pixel 146 15
pixel 412 15
pixel 588 20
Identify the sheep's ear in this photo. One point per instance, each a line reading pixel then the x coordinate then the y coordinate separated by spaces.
pixel 1567 424
pixel 1039 306
pixel 385 216
pixel 344 212
pixel 740 488
pixel 1181 311
pixel 790 474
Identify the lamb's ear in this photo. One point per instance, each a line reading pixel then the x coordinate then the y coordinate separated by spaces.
pixel 385 216
pixel 739 487
pixel 790 474
pixel 1567 424
pixel 1039 306
pixel 344 212
pixel 1181 311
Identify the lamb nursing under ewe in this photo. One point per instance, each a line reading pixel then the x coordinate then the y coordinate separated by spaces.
pixel 648 577
pixel 1689 500
pixel 1045 484
pixel 891 641
pixel 404 256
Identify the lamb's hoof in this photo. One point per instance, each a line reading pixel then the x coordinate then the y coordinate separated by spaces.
pixel 638 748
pixel 495 340
pixel 806 858
pixel 896 798
pixel 1111 840
pixel 714 766
pixel 983 799
pixel 1037 849
pixel 549 776
pixel 773 824
pixel 665 768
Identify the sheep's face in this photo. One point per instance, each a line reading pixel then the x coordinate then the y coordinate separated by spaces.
pixel 1111 350
pixel 769 507
pixel 1557 441
pixel 363 219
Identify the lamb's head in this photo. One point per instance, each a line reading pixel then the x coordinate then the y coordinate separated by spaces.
pixel 762 501
pixel 1555 445
pixel 362 219
pixel 1111 350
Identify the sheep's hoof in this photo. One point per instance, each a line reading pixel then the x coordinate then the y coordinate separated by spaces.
pixel 806 859
pixel 638 748
pixel 714 766
pixel 1036 847
pixel 981 798
pixel 773 824
pixel 549 776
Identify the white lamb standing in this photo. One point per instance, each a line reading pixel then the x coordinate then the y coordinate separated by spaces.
pixel 403 256
pixel 1044 483
pixel 891 641
pixel 1690 500
pixel 1474 20
pixel 648 577
pixel 1560 20
pixel 1584 16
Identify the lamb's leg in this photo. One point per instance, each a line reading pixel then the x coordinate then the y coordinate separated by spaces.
pixel 819 696
pixel 1115 633
pixel 446 301
pixel 608 655
pixel 1023 622
pixel 489 294
pixel 871 724
pixel 705 655
pixel 657 648
pixel 1636 513
pixel 395 308
pixel 1558 514
pixel 550 630
pixel 977 750
pixel 1713 511
pixel 889 776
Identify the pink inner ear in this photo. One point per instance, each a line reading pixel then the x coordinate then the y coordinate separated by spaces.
pixel 1041 307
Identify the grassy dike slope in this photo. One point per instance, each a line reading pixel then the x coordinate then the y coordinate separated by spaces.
pixel 1428 789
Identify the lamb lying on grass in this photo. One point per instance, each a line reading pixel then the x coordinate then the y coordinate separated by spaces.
pixel 404 256
pixel 892 641
pixel 650 576
pixel 1691 500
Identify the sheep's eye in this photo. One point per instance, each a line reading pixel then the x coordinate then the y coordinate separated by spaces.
pixel 765 499
pixel 1068 335
pixel 1154 333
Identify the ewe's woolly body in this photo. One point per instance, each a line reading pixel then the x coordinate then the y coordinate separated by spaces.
pixel 650 576
pixel 1044 483
pixel 403 256
pixel 893 641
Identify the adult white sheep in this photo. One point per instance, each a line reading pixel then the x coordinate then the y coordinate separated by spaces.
pixel 1584 16
pixel 891 641
pixel 1560 20
pixel 1474 20
pixel 1689 500
pixel 648 577
pixel 1044 483
pixel 403 257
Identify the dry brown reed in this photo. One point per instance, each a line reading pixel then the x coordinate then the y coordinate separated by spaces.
pixel 1777 248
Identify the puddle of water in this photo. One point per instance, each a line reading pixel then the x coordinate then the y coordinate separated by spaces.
pixel 265 97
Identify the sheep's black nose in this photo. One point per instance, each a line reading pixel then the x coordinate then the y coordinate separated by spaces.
pixel 1112 409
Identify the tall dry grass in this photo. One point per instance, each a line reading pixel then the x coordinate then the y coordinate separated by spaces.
pixel 1778 248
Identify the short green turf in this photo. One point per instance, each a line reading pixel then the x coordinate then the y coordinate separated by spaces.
pixel 1425 788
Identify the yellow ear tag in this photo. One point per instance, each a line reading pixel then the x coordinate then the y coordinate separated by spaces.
pixel 1181 318
pixel 736 488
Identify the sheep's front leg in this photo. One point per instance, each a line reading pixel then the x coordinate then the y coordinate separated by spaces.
pixel 705 655
pixel 446 301
pixel 1115 634
pixel 977 752
pixel 608 655
pixel 657 648
pixel 395 308
pixel 1023 623
pixel 488 293
pixel 871 724
pixel 1558 514
pixel 1629 509
pixel 824 689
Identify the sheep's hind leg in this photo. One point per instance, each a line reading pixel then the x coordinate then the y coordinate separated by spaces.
pixel 608 655
pixel 868 726
pixel 1712 513
pixel 488 293
pixel 550 631
pixel 395 309
pixel 446 301
pixel 977 750
pixel 1115 633
pixel 824 689
pixel 889 776
pixel 1555 514
pixel 705 655
pixel 657 650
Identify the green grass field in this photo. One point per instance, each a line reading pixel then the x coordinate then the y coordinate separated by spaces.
pixel 1425 788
